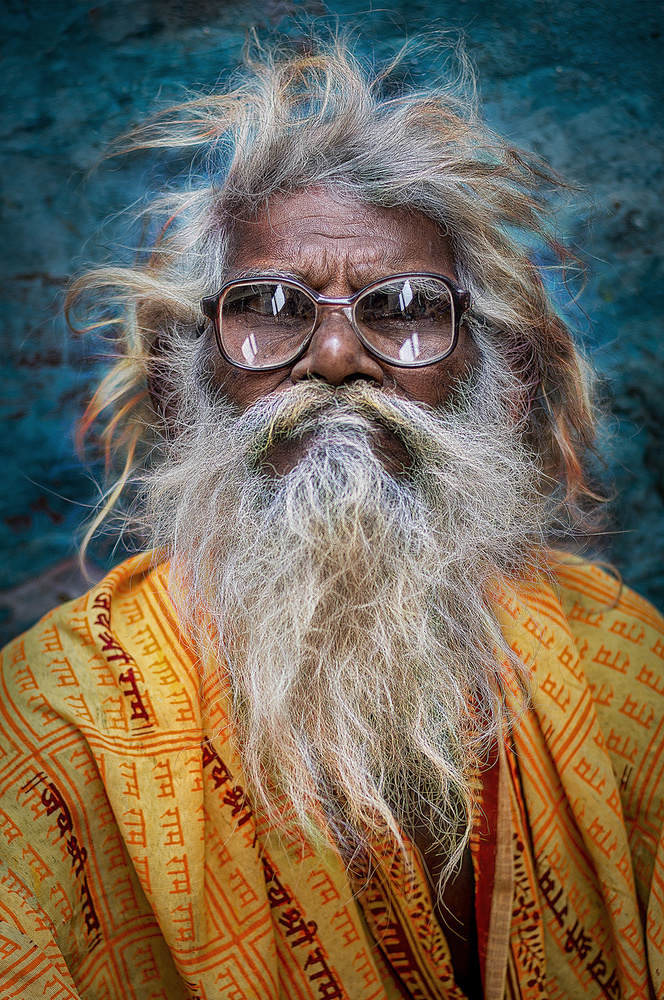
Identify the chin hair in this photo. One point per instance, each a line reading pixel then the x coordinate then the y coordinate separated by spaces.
pixel 346 610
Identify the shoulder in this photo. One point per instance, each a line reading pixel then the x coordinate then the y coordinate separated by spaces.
pixel 613 627
pixel 88 664
pixel 595 653
pixel 97 704
pixel 619 638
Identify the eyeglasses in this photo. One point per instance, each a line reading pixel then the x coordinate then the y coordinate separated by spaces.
pixel 409 320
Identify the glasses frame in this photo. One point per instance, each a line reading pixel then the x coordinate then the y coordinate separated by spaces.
pixel 211 307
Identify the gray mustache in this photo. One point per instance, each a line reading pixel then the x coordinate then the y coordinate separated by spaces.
pixel 355 408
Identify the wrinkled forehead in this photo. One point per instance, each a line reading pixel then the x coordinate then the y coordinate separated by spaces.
pixel 327 239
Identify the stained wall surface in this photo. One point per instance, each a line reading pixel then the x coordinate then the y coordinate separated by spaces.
pixel 580 84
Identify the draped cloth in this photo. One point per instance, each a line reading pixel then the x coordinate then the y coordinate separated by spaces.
pixel 132 864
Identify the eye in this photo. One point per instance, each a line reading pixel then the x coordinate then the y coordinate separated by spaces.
pixel 272 303
pixel 240 302
pixel 400 303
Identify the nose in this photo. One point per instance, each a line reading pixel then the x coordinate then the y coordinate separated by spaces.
pixel 336 355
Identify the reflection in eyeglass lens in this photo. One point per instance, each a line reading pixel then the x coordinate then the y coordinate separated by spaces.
pixel 410 349
pixel 278 300
pixel 249 349
pixel 405 295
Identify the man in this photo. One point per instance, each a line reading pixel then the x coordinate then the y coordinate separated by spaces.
pixel 354 727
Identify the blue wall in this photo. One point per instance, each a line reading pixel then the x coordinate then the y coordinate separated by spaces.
pixel 579 83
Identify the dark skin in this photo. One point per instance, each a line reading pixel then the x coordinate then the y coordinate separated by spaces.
pixel 338 247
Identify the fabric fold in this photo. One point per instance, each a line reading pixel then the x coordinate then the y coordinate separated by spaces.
pixel 134 865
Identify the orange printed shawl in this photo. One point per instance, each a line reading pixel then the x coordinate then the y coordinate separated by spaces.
pixel 133 866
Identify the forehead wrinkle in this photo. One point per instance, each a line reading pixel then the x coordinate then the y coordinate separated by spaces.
pixel 319 265
pixel 312 263
pixel 337 248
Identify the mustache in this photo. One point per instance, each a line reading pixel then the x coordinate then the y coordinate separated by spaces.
pixel 356 408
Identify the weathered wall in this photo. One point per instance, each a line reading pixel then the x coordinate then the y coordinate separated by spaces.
pixel 579 83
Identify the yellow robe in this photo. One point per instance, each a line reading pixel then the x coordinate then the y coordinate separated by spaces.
pixel 133 866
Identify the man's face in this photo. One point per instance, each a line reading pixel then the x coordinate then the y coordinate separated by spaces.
pixel 348 600
pixel 338 247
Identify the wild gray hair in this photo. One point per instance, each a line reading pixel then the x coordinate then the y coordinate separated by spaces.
pixel 292 121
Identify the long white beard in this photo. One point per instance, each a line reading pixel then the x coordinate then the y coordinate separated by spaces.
pixel 348 608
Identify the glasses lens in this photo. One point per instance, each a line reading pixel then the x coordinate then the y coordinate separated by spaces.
pixel 265 323
pixel 408 319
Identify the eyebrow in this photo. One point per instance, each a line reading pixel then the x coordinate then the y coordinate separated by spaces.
pixel 372 274
pixel 262 272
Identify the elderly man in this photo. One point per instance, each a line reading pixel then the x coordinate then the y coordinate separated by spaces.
pixel 358 725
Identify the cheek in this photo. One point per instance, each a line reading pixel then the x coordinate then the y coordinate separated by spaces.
pixel 241 387
pixel 435 384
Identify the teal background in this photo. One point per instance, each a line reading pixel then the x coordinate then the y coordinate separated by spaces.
pixel 580 83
